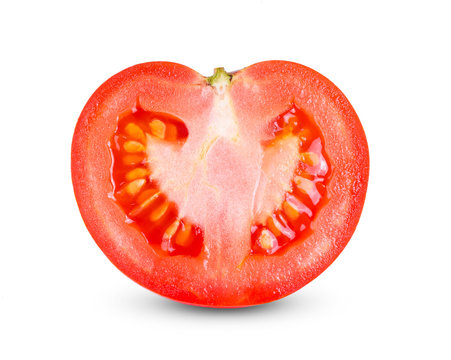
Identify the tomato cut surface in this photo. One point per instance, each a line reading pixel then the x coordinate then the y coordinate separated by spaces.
pixel 226 191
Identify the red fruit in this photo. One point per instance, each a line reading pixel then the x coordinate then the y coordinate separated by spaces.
pixel 226 191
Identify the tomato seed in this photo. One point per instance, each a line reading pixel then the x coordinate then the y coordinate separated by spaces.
pixel 133 146
pixel 159 212
pixel 308 187
pixel 184 237
pixel 132 159
pixel 290 210
pixel 157 128
pixel 137 173
pixel 133 188
pixel 271 224
pixel 171 230
pixel 150 196
pixel 135 132
pixel 267 240
pixel 310 158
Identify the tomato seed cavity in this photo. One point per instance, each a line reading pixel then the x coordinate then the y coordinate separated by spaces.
pixel 291 220
pixel 146 206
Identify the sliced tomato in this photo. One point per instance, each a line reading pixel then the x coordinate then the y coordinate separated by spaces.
pixel 227 191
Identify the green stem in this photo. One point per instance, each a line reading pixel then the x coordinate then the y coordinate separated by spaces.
pixel 220 76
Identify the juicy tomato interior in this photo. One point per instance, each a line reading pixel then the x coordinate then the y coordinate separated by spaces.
pixel 153 213
pixel 291 220
pixel 146 206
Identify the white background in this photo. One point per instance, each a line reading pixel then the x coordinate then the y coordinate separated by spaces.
pixel 388 294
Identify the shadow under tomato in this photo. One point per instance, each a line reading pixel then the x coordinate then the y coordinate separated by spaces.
pixel 145 302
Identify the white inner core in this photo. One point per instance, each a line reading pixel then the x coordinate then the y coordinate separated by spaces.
pixel 220 180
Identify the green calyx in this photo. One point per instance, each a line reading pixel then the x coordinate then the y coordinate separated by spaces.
pixel 220 77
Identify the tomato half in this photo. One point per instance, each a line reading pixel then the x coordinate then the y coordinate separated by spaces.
pixel 227 191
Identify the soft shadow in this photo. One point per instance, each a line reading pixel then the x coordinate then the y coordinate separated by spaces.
pixel 147 302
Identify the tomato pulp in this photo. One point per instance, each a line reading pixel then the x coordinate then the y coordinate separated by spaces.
pixel 232 190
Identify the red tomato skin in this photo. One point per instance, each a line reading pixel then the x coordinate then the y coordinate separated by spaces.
pixel 126 248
